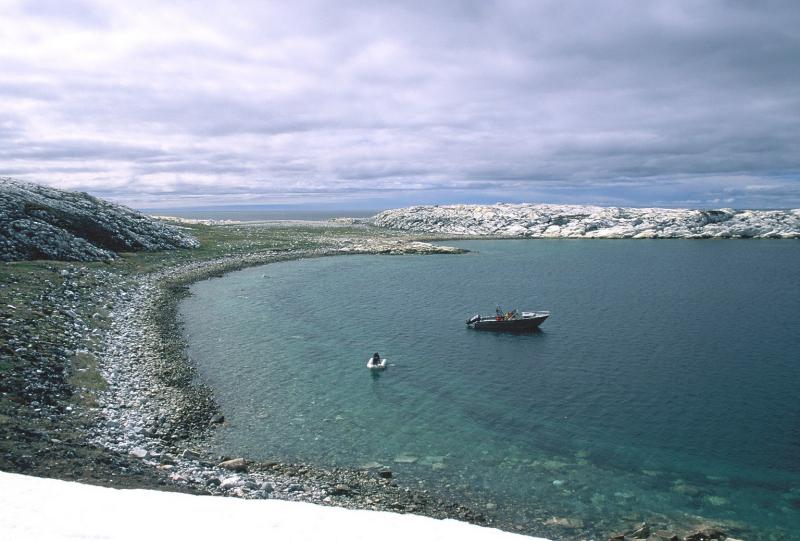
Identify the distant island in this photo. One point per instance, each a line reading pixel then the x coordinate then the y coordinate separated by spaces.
pixel 592 222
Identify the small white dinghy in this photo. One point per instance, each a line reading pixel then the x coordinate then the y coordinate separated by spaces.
pixel 376 366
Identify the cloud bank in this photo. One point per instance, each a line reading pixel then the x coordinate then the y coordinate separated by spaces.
pixel 385 104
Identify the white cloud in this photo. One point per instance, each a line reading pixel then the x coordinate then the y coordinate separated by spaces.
pixel 547 100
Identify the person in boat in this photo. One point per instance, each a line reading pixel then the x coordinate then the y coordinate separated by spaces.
pixel 376 359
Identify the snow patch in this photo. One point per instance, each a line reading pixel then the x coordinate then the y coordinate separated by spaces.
pixel 33 508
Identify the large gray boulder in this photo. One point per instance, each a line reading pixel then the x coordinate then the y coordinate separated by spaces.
pixel 38 222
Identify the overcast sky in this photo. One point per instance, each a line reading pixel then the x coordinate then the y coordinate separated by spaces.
pixel 377 105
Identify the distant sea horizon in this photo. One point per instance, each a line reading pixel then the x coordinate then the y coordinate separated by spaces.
pixel 257 214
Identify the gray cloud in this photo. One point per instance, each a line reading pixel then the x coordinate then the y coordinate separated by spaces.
pixel 637 103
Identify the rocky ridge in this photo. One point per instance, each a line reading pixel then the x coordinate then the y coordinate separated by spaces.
pixel 580 221
pixel 38 222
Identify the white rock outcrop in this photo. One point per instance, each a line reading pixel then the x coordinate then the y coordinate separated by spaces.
pixel 583 221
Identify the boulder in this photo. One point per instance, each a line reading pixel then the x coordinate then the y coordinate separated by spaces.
pixel 341 490
pixel 188 454
pixel 641 532
pixel 235 464
pixel 230 482
pixel 706 534
pixel 267 488
pixel 138 452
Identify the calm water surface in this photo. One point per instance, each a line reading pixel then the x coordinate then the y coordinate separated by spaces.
pixel 664 387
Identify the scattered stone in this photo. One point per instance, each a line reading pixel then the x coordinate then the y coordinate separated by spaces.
pixel 665 534
pixel 641 532
pixel 565 522
pixel 188 454
pixel 236 464
pixel 706 534
pixel 230 482
pixel 341 490
pixel 139 453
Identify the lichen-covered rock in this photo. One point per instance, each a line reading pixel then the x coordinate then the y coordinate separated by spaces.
pixel 581 221
pixel 38 222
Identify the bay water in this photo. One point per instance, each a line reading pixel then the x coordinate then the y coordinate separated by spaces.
pixel 664 387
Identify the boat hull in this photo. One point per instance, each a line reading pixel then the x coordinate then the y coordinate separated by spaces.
pixel 513 325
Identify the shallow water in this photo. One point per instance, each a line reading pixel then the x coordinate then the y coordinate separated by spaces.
pixel 663 387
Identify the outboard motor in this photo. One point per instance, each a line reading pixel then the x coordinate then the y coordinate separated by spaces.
pixel 473 319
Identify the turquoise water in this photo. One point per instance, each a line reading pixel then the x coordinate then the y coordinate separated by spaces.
pixel 664 387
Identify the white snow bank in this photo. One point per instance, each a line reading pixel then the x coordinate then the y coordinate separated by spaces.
pixel 33 508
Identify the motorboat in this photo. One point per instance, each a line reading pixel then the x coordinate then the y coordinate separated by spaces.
pixel 508 321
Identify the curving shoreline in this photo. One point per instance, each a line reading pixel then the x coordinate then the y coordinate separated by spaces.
pixel 156 411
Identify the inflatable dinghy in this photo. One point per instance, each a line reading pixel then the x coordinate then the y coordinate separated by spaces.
pixel 379 366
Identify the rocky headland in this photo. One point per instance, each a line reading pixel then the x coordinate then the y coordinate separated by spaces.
pixel 38 222
pixel 592 222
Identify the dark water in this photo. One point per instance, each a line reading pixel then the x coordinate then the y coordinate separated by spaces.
pixel 664 387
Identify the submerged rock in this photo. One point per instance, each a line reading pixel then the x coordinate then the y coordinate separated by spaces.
pixel 38 222
pixel 565 522
pixel 641 532
pixel 706 534
pixel 666 535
